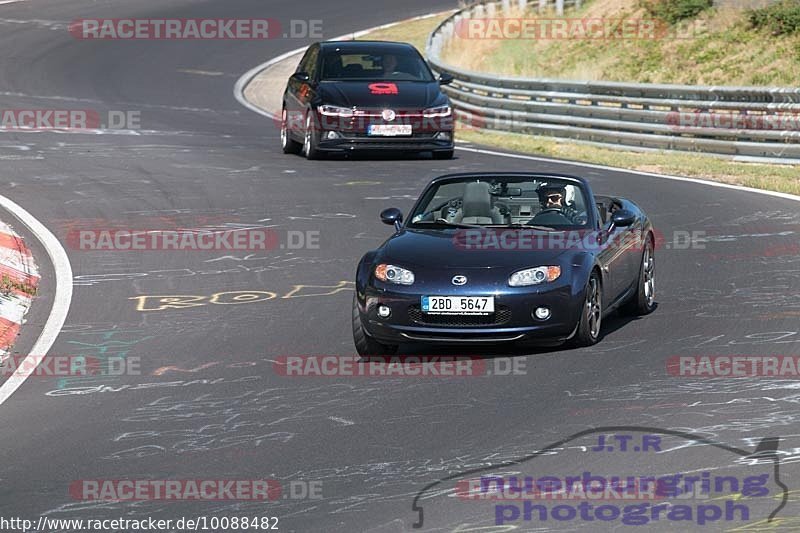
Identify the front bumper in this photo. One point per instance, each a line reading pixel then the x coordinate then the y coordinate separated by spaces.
pixel 417 142
pixel 512 320
pixel 338 134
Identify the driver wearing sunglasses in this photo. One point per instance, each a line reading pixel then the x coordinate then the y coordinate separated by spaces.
pixel 554 197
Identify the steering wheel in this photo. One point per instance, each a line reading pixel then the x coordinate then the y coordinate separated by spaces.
pixel 444 204
pixel 553 210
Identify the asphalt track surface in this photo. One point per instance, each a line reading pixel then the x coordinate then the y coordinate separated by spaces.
pixel 373 443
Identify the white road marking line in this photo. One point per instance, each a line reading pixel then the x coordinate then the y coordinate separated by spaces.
pixel 784 195
pixel 61 300
pixel 200 72
pixel 10 1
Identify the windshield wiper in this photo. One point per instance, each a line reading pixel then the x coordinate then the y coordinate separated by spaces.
pixel 519 225
pixel 448 223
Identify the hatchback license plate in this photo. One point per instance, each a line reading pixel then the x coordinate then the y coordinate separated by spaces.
pixel 389 130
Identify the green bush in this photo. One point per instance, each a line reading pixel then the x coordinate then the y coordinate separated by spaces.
pixel 780 19
pixel 673 11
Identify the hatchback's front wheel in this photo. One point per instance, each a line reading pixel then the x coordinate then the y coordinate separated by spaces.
pixel 289 145
pixel 311 139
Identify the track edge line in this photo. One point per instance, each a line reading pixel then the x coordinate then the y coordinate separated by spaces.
pixel 61 300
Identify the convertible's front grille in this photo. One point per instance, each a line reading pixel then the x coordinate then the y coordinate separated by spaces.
pixel 501 315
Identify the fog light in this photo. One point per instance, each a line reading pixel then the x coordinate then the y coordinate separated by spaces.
pixel 384 311
pixel 542 313
pixel 332 135
pixel 442 136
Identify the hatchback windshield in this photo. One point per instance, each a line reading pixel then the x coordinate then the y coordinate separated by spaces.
pixel 398 64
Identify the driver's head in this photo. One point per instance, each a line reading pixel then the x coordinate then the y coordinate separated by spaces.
pixel 553 196
pixel 389 63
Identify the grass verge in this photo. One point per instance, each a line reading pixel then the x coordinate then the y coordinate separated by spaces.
pixel 719 46
pixel 415 32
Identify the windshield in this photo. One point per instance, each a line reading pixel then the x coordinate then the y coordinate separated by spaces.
pixel 541 203
pixel 399 64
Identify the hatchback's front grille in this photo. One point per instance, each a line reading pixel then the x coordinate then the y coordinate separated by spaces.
pixel 362 135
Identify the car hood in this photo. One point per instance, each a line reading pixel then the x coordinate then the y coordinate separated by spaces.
pixel 410 95
pixel 447 249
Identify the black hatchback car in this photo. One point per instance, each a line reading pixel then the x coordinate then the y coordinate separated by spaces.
pixel 370 95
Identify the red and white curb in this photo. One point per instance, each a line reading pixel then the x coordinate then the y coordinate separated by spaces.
pixel 19 279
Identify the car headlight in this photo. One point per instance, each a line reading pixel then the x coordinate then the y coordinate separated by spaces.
pixel 534 276
pixel 441 111
pixel 394 274
pixel 335 111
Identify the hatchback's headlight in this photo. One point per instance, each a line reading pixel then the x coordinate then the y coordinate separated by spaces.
pixel 335 111
pixel 534 276
pixel 441 111
pixel 394 274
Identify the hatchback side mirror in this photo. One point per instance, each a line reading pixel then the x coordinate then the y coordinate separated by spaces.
pixel 392 216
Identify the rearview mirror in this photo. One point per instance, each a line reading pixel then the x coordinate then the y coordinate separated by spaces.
pixel 622 218
pixel 511 191
pixel 393 216
pixel 301 76
pixel 445 79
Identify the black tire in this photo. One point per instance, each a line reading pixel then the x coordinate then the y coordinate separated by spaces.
pixel 443 155
pixel 311 139
pixel 366 345
pixel 288 145
pixel 591 319
pixel 643 302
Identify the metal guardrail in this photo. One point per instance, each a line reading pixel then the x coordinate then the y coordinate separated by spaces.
pixel 748 122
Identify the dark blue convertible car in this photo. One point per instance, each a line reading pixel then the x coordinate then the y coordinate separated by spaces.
pixel 502 257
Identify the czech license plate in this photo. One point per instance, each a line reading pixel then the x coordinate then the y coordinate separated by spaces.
pixel 458 305
pixel 389 130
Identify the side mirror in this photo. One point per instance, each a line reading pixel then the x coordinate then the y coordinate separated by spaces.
pixel 622 219
pixel 301 76
pixel 392 216
pixel 445 79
